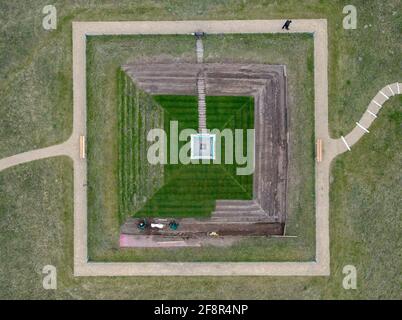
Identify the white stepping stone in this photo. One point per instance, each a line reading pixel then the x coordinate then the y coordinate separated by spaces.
pixel 373 114
pixel 344 141
pixel 363 128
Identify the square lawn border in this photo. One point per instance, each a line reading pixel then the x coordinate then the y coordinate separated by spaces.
pixel 319 267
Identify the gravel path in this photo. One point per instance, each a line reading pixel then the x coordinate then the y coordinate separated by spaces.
pixel 345 143
pixel 321 264
pixel 64 149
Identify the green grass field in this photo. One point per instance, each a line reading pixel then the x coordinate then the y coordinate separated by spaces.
pixel 175 190
pixel 191 190
pixel 36 204
pixel 105 55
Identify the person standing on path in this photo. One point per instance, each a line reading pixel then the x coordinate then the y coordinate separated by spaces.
pixel 286 25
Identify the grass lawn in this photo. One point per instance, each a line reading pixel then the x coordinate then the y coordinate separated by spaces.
pixel 105 55
pixel 191 190
pixel 175 190
pixel 36 224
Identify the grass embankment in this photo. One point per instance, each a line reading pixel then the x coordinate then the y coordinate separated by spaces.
pixel 105 54
pixel 138 179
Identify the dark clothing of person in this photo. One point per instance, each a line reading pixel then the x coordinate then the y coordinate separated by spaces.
pixel 286 25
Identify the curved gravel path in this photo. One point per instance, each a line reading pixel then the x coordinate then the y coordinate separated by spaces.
pixel 345 143
pixel 63 149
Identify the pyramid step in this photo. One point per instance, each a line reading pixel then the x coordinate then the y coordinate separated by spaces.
pixel 241 208
pixel 245 213
pixel 236 203
pixel 240 219
pixel 251 207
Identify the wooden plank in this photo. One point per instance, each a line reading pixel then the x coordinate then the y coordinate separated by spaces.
pixel 319 150
pixel 82 147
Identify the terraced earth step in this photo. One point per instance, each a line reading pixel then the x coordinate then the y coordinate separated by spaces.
pixel 249 208
pixel 235 203
pixel 242 219
pixel 237 213
pixel 132 222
